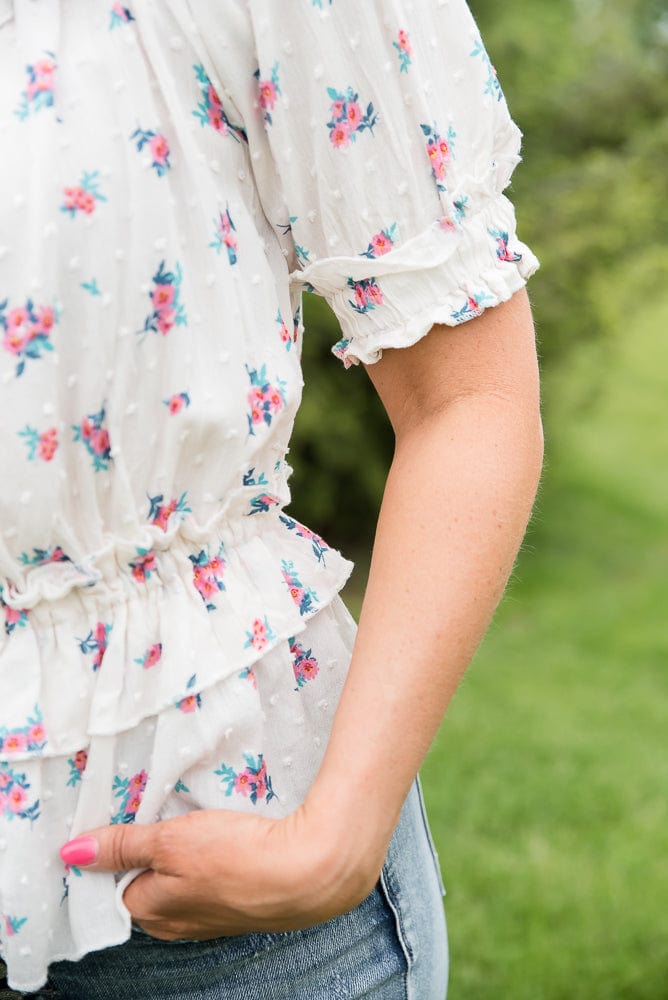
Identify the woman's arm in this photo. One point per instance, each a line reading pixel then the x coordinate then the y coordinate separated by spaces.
pixel 464 404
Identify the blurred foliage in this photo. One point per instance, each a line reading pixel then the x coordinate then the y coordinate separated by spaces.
pixel 586 80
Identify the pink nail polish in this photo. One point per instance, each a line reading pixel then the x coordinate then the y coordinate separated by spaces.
pixel 80 852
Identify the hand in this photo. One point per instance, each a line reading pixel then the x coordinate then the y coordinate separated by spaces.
pixel 218 872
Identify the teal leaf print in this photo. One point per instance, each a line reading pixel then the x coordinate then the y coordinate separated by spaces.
pixel 224 235
pixel 404 50
pixel 261 634
pixel 347 119
pixel 210 111
pixel 83 197
pixel 305 598
pixel 492 86
pixel 502 251
pixel 168 310
pixel 252 782
pixel 14 798
pixel 77 766
pixel 208 575
pixel 368 295
pixel 474 306
pixel 381 243
pixel 30 737
pixel 39 91
pixel 130 792
pixel 40 445
pixel 92 433
pixel 158 148
pixel 268 93
pixel 27 331
pixel 119 15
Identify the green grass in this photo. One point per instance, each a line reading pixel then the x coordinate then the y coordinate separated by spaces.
pixel 548 784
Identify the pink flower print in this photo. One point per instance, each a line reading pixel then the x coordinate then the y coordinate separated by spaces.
pixel 42 445
pixel 243 782
pixel 138 782
pixel 159 512
pixel 130 792
pixel 144 566
pixel 119 15
pixel 304 664
pixel 404 51
pixel 39 90
pixel 268 92
pixel 26 331
pixel 474 306
pixel 502 251
pixel 305 598
pixel 191 702
pixel 225 236
pixel 346 117
pixel 210 111
pixel 36 734
pixel 318 544
pixel 381 243
pixel 14 618
pixel 15 742
pixel 158 148
pixel 252 782
pixel 286 336
pixel 340 135
pixel 77 765
pixel 367 293
pixel 440 152
pixel 208 575
pixel 17 798
pixel 96 642
pixel 353 114
pixel 152 656
pixel 84 197
pixel 168 310
pixel 41 557
pixel 14 798
pixel 92 433
pixel 265 398
pixel 249 674
pixel 260 634
pixel 178 402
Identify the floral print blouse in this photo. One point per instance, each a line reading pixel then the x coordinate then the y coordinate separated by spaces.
pixel 173 176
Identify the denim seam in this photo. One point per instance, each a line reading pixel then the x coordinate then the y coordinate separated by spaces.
pixel 394 906
pixel 434 852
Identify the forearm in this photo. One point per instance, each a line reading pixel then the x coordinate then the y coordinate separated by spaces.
pixel 455 508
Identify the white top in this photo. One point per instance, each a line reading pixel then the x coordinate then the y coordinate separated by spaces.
pixel 172 175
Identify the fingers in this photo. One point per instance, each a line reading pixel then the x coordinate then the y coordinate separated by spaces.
pixel 112 848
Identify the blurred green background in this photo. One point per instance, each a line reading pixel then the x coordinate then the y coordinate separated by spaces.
pixel 548 784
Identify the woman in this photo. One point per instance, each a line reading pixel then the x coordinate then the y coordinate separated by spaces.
pixel 184 698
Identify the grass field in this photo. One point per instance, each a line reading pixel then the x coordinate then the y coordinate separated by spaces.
pixel 548 785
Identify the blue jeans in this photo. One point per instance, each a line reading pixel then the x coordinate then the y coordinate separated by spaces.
pixel 393 946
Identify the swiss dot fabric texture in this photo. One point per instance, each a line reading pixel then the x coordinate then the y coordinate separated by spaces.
pixel 172 176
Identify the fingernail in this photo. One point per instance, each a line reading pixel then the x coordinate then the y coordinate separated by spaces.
pixel 80 852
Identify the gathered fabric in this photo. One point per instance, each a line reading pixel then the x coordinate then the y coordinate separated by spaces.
pixel 174 176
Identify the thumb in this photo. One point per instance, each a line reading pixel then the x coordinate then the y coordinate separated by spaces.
pixel 111 848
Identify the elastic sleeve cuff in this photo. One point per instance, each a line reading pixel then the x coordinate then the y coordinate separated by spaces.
pixel 448 274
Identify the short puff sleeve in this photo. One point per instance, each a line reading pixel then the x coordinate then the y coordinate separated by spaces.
pixel 380 133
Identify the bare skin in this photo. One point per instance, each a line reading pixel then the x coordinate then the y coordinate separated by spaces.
pixel 464 404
